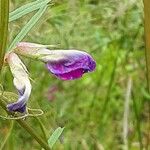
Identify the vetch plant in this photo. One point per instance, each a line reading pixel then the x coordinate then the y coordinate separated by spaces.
pixel 98 33
pixel 64 64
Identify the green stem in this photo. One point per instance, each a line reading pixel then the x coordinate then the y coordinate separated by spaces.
pixel 24 125
pixel 147 50
pixel 4 16
pixel 42 128
pixel 138 123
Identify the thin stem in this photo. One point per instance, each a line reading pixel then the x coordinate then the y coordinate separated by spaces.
pixel 4 16
pixel 42 128
pixel 23 124
pixel 147 50
pixel 138 124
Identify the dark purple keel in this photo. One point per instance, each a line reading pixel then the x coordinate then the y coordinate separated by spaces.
pixel 20 105
pixel 16 107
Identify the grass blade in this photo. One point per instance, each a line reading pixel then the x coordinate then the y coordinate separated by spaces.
pixel 54 137
pixel 23 7
pixel 27 27
pixel 23 10
pixel 4 14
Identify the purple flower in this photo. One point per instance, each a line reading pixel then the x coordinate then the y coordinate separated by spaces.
pixel 72 66
pixel 64 64
pixel 21 82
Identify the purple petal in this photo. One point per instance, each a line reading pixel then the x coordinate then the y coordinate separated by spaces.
pixel 72 66
pixel 19 107
pixel 71 75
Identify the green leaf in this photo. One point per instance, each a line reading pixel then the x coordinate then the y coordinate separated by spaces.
pixel 18 10
pixel 54 137
pixel 4 13
pixel 25 9
pixel 27 27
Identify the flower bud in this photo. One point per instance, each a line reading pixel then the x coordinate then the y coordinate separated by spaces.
pixel 21 82
pixel 65 64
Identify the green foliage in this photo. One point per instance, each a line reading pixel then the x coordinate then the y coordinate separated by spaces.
pixel 24 31
pixel 112 32
pixel 25 9
pixel 55 136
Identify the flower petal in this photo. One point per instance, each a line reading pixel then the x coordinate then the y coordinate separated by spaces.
pixel 21 82
pixel 73 65
pixel 71 75
pixel 17 107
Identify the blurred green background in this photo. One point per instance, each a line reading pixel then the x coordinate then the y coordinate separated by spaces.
pixel 91 108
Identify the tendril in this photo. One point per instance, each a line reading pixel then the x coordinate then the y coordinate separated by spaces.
pixel 34 113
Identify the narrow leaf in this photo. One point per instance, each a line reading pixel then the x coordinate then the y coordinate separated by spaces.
pixel 54 137
pixel 27 27
pixel 25 9
pixel 4 13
